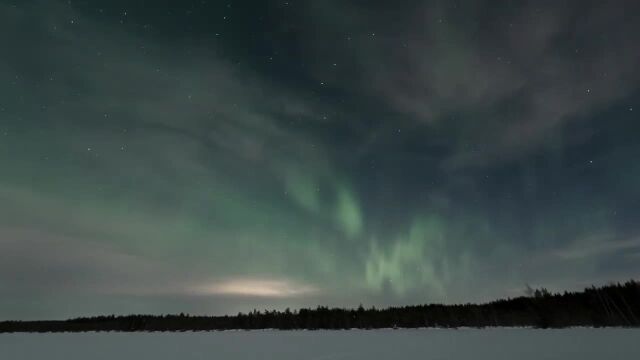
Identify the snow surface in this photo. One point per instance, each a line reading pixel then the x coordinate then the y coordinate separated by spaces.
pixel 491 344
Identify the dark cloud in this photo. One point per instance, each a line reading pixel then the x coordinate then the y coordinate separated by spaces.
pixel 499 76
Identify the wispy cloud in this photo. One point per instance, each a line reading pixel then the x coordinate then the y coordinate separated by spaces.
pixel 597 247
pixel 255 287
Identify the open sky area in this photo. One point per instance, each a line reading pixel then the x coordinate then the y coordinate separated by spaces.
pixel 211 157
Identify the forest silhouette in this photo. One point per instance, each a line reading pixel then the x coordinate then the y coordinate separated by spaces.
pixel 614 305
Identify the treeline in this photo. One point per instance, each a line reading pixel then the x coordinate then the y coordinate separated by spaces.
pixel 612 305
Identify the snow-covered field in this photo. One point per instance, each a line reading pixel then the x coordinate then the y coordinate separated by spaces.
pixel 490 344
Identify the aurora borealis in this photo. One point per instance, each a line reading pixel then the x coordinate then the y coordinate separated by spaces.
pixel 212 157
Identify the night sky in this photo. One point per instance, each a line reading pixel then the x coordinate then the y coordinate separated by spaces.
pixel 212 157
